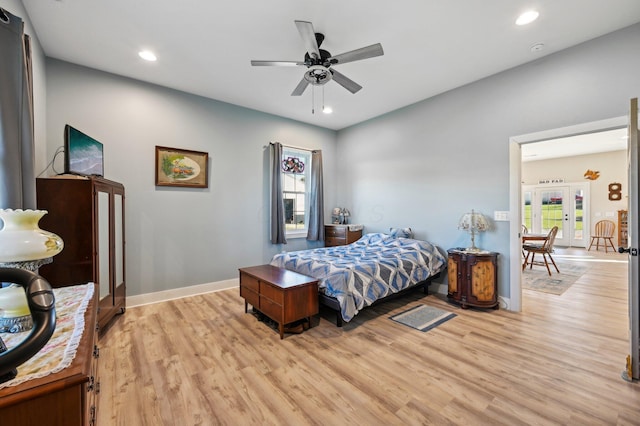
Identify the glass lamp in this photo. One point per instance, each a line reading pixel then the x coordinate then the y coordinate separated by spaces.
pixel 23 245
pixel 473 222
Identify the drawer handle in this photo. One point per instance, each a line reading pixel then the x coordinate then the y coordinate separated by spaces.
pixel 96 351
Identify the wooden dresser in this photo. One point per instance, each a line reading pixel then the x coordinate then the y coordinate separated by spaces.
pixel 473 278
pixel 66 398
pixel 282 295
pixel 339 235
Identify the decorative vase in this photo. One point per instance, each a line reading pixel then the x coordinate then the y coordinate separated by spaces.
pixel 21 239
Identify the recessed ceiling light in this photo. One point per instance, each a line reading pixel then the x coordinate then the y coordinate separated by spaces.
pixel 527 17
pixel 147 55
pixel 327 110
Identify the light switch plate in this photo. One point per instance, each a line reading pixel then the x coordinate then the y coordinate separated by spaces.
pixel 501 216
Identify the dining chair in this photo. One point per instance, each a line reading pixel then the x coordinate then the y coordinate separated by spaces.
pixel 523 232
pixel 545 249
pixel 603 231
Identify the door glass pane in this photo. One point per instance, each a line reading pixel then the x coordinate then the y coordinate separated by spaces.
pixel 118 244
pixel 551 211
pixel 578 198
pixel 526 211
pixel 103 243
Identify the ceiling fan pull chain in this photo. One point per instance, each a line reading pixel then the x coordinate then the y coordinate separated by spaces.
pixel 313 93
pixel 322 98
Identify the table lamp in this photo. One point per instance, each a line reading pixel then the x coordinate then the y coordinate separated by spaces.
pixel 473 222
pixel 23 245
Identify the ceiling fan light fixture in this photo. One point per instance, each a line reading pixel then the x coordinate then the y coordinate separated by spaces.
pixel 527 17
pixel 327 109
pixel 318 75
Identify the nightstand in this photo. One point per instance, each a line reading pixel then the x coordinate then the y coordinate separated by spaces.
pixel 339 235
pixel 473 278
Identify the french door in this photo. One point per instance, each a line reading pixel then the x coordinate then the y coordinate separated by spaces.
pixel 562 205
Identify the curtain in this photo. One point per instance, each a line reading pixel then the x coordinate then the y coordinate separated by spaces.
pixel 17 169
pixel 315 230
pixel 277 203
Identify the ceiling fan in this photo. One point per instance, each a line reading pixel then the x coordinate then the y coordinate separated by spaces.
pixel 320 63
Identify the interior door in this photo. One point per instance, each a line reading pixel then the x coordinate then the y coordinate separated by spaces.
pixel 633 359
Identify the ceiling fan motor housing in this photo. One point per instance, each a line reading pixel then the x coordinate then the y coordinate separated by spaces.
pixel 322 60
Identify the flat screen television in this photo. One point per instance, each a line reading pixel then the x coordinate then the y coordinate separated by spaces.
pixel 82 154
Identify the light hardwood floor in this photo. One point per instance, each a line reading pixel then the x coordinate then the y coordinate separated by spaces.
pixel 202 361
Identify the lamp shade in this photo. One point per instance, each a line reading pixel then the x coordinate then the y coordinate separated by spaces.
pixel 473 222
pixel 21 239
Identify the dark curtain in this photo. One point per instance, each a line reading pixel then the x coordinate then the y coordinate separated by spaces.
pixel 315 230
pixel 277 203
pixel 17 169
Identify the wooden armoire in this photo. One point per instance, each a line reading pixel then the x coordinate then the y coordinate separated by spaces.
pixel 88 214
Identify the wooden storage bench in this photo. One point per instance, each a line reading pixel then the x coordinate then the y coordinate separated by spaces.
pixel 282 295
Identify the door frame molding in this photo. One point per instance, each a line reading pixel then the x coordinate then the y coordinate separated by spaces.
pixel 515 192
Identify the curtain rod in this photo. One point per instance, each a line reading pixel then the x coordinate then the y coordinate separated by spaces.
pixel 295 147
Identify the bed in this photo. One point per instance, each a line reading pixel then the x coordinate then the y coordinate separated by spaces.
pixel 359 274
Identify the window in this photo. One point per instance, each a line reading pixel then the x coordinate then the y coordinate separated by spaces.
pixel 296 172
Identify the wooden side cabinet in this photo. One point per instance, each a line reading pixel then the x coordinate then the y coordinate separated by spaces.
pixel 473 278
pixel 623 227
pixel 340 235
pixel 88 214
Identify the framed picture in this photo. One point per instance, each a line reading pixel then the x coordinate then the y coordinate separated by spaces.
pixel 181 167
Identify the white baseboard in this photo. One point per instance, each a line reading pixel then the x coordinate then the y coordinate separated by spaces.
pixel 178 293
pixel 439 288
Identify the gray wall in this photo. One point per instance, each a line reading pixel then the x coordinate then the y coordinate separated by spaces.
pixel 423 166
pixel 178 237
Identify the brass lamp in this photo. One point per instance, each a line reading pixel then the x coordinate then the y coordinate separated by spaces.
pixel 473 222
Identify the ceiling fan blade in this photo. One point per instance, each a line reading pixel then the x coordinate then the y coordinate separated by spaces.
pixel 309 37
pixel 300 87
pixel 358 54
pixel 345 82
pixel 276 63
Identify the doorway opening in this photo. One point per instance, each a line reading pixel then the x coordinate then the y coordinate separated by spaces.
pixel 518 145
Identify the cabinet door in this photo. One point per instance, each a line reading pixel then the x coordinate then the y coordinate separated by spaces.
pixel 482 286
pixel 454 276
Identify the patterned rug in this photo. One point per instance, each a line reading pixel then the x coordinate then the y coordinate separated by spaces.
pixel 423 317
pixel 538 278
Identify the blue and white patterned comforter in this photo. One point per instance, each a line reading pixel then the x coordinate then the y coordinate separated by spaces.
pixel 369 269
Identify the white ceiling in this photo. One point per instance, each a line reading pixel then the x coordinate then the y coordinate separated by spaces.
pixel 205 47
pixel 590 143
